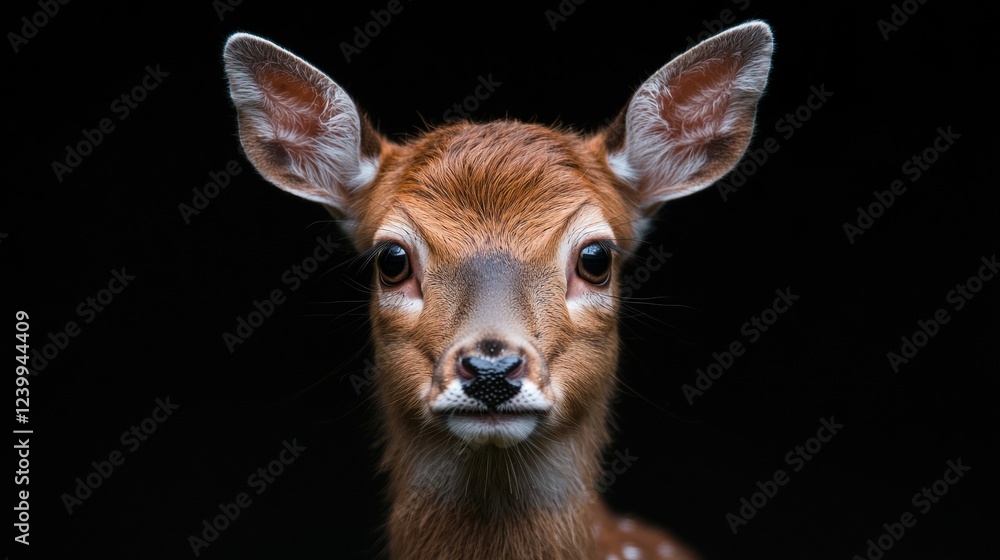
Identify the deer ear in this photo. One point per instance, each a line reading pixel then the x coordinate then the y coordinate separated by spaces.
pixel 297 126
pixel 690 123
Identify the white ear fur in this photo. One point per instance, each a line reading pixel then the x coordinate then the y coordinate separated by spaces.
pixel 298 127
pixel 690 123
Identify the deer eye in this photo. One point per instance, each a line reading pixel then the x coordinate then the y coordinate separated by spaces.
pixel 594 264
pixel 393 265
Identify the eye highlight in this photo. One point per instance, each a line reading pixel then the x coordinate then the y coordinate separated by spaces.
pixel 594 263
pixel 393 264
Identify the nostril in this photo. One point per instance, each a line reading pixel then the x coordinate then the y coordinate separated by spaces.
pixel 466 369
pixel 517 371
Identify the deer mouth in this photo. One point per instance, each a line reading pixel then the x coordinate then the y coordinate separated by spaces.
pixel 491 416
pixel 500 428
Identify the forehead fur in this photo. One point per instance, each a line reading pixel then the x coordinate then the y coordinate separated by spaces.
pixel 509 185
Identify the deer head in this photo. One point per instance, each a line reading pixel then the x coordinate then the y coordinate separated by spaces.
pixel 497 250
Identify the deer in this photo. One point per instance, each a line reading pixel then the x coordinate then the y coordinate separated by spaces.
pixel 496 250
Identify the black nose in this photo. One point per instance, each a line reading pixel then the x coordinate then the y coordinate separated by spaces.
pixel 493 381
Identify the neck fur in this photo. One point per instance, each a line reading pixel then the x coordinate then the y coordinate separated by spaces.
pixel 532 500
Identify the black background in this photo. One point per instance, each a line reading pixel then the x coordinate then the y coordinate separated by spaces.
pixel 826 356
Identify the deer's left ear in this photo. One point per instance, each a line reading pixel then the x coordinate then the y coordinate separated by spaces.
pixel 299 128
pixel 690 123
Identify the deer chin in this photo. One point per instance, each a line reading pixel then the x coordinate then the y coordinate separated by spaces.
pixel 503 426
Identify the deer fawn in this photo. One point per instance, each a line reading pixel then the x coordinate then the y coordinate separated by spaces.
pixel 497 250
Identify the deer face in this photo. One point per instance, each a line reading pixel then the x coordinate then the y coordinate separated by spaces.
pixel 497 246
pixel 496 249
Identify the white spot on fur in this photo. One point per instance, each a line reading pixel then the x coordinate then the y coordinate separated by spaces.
pixel 618 162
pixel 665 550
pixel 399 302
pixel 580 305
pixel 631 552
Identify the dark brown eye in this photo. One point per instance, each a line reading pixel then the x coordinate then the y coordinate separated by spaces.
pixel 393 265
pixel 594 264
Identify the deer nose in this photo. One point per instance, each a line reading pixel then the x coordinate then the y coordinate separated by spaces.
pixel 493 381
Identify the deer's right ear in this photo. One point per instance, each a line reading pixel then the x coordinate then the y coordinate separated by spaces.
pixel 297 126
pixel 691 121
